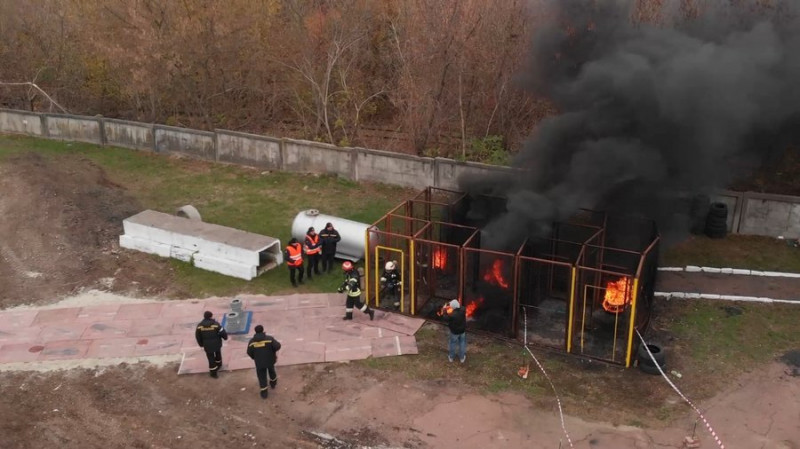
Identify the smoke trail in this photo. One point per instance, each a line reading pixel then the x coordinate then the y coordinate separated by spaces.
pixel 648 112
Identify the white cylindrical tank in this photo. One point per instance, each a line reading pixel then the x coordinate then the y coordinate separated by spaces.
pixel 353 233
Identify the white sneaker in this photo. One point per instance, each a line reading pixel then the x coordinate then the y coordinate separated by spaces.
pixel 449 359
pixel 464 359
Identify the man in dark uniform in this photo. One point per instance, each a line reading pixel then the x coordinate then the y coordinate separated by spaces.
pixel 390 280
pixel 209 335
pixel 329 238
pixel 263 349
pixel 352 285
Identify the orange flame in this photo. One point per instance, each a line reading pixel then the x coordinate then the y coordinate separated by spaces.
pixel 617 295
pixel 471 307
pixel 439 258
pixel 494 275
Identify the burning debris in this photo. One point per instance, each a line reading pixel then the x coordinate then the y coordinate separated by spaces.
pixel 618 295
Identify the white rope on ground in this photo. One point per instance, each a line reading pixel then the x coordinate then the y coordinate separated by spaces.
pixel 546 376
pixel 674 387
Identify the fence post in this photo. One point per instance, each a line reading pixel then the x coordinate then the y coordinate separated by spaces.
pixel 102 125
pixel 436 181
pixel 45 131
pixel 282 154
pixel 353 153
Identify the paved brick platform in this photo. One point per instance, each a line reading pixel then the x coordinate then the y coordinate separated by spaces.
pixel 310 328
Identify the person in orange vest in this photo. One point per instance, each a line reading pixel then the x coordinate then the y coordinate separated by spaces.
pixel 294 260
pixel 313 249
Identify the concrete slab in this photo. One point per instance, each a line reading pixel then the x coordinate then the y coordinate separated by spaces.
pixel 107 330
pixel 16 319
pixel 342 332
pixel 396 322
pixel 299 353
pixel 64 350
pixel 183 309
pixel 354 349
pixel 194 361
pixel 20 335
pixel 159 345
pixel 309 327
pixel 103 312
pixel 394 346
pixel 306 301
pixel 20 352
pixel 62 331
pixel 151 328
pixel 112 348
pixel 184 328
pixel 50 316
pixel 139 311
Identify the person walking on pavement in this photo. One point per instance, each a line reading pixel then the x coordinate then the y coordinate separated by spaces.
pixel 329 238
pixel 294 260
pixel 263 349
pixel 313 249
pixel 352 285
pixel 456 318
pixel 209 335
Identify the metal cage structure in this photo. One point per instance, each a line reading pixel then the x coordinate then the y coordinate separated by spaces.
pixel 585 289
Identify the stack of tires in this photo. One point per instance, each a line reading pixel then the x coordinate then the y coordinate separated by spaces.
pixel 646 363
pixel 717 221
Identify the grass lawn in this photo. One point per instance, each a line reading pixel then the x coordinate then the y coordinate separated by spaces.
pixel 709 343
pixel 735 251
pixel 240 197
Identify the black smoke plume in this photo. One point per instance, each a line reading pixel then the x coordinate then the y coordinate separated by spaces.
pixel 648 113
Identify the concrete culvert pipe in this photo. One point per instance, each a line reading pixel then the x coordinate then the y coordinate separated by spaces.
pixel 353 233
pixel 188 211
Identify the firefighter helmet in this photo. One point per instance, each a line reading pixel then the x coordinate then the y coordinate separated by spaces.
pixel 347 266
pixel 390 265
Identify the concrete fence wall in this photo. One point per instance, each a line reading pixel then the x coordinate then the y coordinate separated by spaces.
pixel 749 213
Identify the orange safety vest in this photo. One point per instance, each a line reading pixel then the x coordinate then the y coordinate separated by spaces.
pixel 295 255
pixel 314 241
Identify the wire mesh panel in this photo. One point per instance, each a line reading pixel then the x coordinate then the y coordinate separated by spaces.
pixel 489 290
pixel 602 313
pixel 544 297
pixel 395 248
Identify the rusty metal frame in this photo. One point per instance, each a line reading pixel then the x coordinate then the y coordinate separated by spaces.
pixel 586 260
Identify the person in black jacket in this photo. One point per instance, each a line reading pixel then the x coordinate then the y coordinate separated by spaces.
pixel 329 238
pixel 209 335
pixel 263 349
pixel 456 318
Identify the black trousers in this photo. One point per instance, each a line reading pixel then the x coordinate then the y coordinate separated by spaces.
pixel 261 372
pixel 313 264
pixel 353 302
pixel 292 270
pixel 328 261
pixel 214 359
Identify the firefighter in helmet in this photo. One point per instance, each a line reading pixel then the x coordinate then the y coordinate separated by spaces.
pixel 390 280
pixel 352 285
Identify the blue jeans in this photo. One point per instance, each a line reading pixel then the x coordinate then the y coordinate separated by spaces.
pixel 458 342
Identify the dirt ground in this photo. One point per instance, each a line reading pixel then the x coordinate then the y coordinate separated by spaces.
pixel 58 235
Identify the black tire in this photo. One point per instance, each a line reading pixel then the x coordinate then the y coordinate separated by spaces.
pixel 658 355
pixel 717 221
pixel 650 369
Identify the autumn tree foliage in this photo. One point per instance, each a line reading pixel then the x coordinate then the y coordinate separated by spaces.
pixel 429 77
